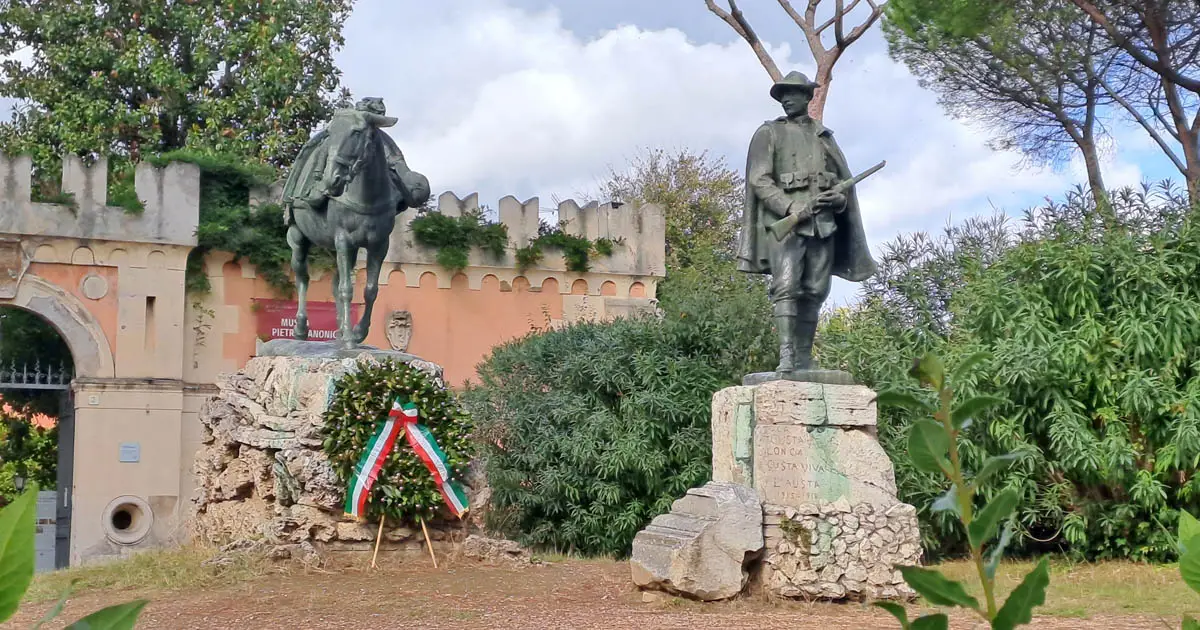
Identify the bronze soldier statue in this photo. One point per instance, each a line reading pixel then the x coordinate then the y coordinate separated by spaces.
pixel 801 223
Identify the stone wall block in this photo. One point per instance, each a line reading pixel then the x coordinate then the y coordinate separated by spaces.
pixel 819 553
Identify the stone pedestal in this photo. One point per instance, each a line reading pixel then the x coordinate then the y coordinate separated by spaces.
pixel 261 474
pixel 834 527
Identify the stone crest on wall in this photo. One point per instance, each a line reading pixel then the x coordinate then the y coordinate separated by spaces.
pixel 399 330
pixel 13 263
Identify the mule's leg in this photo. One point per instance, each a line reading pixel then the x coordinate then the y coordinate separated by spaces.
pixel 375 256
pixel 300 247
pixel 344 290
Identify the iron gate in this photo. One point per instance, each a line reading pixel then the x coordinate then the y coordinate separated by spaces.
pixel 35 377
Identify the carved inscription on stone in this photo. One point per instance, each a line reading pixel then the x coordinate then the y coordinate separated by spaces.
pixel 796 465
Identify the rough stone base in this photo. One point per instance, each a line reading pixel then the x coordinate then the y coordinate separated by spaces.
pixel 262 476
pixel 496 551
pixel 835 551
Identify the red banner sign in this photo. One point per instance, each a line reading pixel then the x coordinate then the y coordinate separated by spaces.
pixel 277 318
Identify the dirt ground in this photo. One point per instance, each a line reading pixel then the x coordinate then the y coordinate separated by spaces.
pixel 567 594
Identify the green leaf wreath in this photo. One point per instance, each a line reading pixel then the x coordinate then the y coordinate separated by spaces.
pixel 405 491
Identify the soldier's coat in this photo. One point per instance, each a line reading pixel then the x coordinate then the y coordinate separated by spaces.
pixel 852 258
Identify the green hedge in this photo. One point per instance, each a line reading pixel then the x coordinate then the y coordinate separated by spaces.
pixel 1091 317
pixel 591 431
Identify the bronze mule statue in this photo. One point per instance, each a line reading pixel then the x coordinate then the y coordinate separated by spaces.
pixel 343 193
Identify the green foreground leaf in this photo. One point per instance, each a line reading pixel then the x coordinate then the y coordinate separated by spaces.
pixel 1189 566
pixel 897 611
pixel 928 445
pixel 932 622
pixel 987 521
pixel 929 370
pixel 1189 528
pixel 937 589
pixel 971 361
pixel 893 398
pixel 993 465
pixel 993 561
pixel 948 502
pixel 972 408
pixel 119 617
pixel 54 612
pixel 17 526
pixel 1029 594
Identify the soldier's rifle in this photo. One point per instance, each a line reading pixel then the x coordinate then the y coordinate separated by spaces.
pixel 782 227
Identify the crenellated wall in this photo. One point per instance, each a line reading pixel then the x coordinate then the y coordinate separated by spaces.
pixel 171 196
pixel 638 234
pixel 147 353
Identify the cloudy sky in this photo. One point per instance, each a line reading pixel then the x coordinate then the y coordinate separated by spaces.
pixel 542 97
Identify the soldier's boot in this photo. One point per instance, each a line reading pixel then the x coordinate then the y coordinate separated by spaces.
pixel 805 331
pixel 785 322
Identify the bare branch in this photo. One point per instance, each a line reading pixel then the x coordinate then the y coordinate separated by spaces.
pixel 862 28
pixel 1160 66
pixel 827 24
pixel 791 11
pixel 737 21
pixel 1141 120
pixel 807 26
pixel 1156 108
pixel 726 17
pixel 839 33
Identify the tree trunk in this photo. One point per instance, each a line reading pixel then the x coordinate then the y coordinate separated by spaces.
pixel 1191 156
pixel 816 108
pixel 1091 160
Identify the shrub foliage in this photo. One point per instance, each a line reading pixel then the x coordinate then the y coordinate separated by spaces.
pixel 592 430
pixel 1090 317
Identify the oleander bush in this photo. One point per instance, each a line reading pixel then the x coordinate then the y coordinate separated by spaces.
pixel 1090 318
pixel 592 430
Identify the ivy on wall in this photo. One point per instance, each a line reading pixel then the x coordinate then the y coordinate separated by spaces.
pixel 228 222
pixel 576 250
pixel 453 238
pixel 405 491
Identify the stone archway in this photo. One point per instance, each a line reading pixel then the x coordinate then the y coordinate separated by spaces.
pixel 90 357
pixel 89 346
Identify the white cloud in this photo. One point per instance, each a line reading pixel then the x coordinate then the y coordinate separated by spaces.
pixel 497 100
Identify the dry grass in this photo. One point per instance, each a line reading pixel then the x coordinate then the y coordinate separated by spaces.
pixel 1107 594
pixel 152 571
pixel 1083 590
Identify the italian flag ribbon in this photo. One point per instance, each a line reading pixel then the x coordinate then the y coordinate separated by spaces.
pixel 403 416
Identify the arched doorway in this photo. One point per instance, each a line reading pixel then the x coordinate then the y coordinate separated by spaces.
pixel 37 425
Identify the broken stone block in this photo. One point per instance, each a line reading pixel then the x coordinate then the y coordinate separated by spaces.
pixel 702 549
